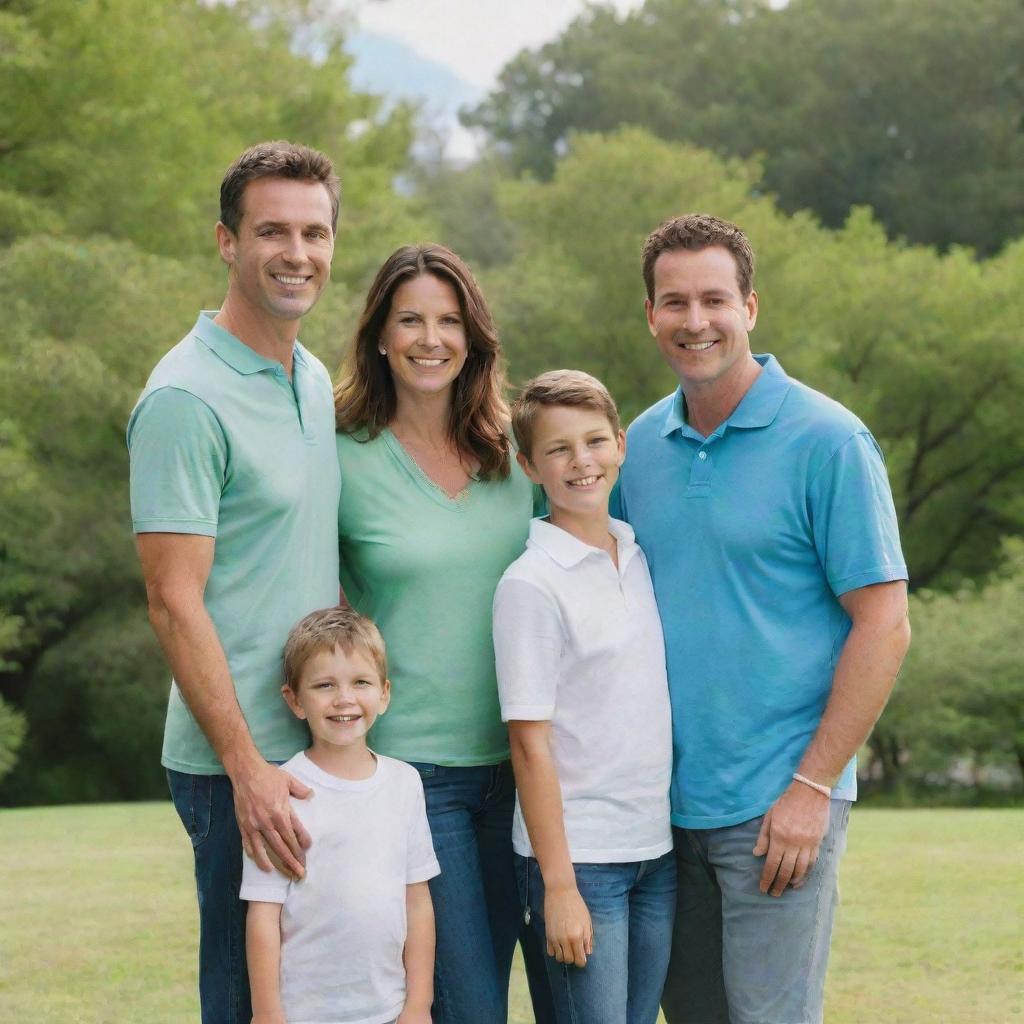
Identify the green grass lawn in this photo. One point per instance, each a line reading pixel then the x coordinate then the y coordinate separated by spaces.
pixel 98 923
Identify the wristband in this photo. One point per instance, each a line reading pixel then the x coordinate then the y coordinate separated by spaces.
pixel 824 790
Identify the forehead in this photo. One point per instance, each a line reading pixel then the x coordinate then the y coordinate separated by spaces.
pixel 340 664
pixel 425 291
pixel 563 420
pixel 286 201
pixel 689 271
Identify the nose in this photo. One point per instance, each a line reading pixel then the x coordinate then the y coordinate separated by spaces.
pixel 580 455
pixel 696 320
pixel 295 248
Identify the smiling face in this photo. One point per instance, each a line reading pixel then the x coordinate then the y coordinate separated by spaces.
pixel 340 694
pixel 575 456
pixel 424 336
pixel 699 317
pixel 280 258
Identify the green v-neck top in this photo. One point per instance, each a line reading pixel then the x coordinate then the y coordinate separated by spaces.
pixel 424 566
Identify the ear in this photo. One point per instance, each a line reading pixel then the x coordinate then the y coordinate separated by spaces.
pixel 292 701
pixel 527 467
pixel 385 696
pixel 751 308
pixel 622 447
pixel 649 313
pixel 227 242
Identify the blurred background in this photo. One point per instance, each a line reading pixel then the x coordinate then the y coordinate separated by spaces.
pixel 872 149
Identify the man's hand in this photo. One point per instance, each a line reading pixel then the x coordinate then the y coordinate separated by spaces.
pixel 570 933
pixel 790 836
pixel 266 819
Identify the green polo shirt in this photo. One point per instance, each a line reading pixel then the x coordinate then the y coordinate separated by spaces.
pixel 224 445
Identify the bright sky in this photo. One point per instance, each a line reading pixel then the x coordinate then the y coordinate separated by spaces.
pixel 475 38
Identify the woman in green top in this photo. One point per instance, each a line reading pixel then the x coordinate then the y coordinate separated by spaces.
pixel 433 510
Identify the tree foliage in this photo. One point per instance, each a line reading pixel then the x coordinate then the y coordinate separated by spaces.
pixel 925 348
pixel 911 107
pixel 122 117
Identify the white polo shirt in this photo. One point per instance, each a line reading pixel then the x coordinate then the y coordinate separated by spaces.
pixel 579 643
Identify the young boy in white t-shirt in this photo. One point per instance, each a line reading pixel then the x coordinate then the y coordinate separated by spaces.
pixel 583 687
pixel 353 941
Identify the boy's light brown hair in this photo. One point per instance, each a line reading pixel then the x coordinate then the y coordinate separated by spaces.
pixel 573 388
pixel 325 630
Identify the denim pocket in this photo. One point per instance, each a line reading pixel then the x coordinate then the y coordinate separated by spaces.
pixel 193 800
pixel 427 771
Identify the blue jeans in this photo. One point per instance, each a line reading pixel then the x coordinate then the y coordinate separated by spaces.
pixel 739 957
pixel 632 907
pixel 476 906
pixel 207 810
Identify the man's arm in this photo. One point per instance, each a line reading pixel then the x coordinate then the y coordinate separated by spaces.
pixel 418 955
pixel 175 568
pixel 569 930
pixel 263 955
pixel 796 823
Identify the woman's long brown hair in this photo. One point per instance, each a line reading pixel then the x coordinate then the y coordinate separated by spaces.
pixel 364 398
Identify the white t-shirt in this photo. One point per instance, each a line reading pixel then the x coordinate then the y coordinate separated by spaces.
pixel 343 926
pixel 579 642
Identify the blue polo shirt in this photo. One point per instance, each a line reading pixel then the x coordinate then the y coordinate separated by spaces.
pixel 224 445
pixel 752 534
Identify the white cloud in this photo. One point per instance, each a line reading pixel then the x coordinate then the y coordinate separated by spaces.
pixel 475 38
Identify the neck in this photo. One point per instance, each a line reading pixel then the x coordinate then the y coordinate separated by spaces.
pixel 422 417
pixel 591 528
pixel 353 762
pixel 711 404
pixel 268 336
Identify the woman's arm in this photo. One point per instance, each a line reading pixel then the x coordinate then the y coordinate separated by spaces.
pixel 419 955
pixel 570 934
pixel 263 951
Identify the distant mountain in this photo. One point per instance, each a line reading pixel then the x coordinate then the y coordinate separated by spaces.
pixel 388 67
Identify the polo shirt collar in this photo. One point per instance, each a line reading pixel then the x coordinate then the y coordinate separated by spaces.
pixel 758 407
pixel 567 550
pixel 235 353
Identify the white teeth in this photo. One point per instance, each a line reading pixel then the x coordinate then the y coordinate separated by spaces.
pixel 698 346
pixel 584 481
pixel 344 718
pixel 288 279
pixel 427 362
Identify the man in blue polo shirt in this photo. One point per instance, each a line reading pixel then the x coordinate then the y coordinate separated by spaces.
pixel 766 516
pixel 234 490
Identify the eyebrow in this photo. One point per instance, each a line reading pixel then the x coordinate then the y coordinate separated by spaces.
pixel 416 312
pixel 319 225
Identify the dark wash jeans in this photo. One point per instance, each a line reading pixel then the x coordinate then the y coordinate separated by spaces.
pixel 207 810
pixel 477 914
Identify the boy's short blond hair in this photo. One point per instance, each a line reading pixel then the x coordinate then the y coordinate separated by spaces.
pixel 325 630
pixel 573 388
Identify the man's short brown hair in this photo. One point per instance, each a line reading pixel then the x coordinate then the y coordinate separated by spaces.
pixel 696 231
pixel 559 387
pixel 278 159
pixel 325 630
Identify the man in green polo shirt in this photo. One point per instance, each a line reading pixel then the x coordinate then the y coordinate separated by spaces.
pixel 234 492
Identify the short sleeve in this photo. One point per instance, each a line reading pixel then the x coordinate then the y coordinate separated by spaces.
pixel 421 863
pixel 178 462
pixel 853 518
pixel 528 643
pixel 260 886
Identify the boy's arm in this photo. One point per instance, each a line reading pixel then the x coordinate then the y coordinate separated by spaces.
pixel 419 955
pixel 263 952
pixel 570 933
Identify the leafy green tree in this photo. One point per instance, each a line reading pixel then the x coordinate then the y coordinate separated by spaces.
pixel 912 107
pixel 961 693
pixel 925 348
pixel 121 120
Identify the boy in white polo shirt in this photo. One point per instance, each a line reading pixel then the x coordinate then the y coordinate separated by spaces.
pixel 581 676
pixel 353 941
